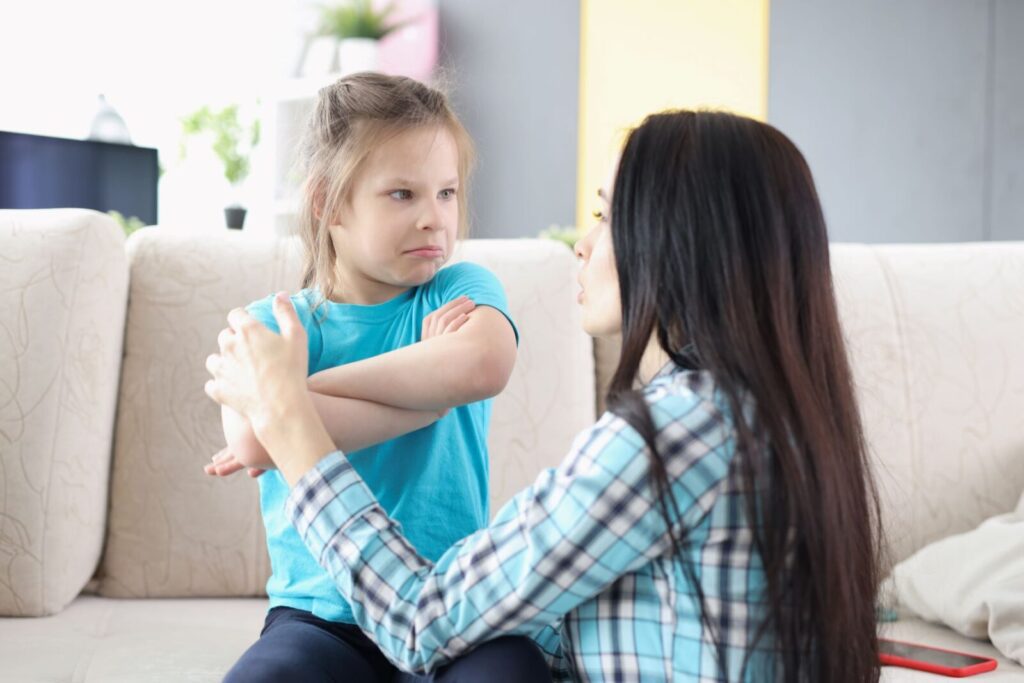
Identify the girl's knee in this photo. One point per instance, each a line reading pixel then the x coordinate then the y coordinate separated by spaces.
pixel 510 659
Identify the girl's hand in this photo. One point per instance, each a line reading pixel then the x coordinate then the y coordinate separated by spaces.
pixel 448 318
pixel 224 464
pixel 258 373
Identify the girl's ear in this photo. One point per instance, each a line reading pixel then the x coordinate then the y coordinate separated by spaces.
pixel 317 198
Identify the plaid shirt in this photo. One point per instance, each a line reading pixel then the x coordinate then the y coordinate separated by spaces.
pixel 581 561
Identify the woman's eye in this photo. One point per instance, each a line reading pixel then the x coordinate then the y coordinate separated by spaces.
pixel 447 194
pixel 599 215
pixel 400 194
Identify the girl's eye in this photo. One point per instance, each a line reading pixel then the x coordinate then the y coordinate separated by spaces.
pixel 599 215
pixel 400 194
pixel 447 194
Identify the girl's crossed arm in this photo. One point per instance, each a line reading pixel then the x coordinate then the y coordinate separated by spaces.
pixel 472 363
pixel 353 423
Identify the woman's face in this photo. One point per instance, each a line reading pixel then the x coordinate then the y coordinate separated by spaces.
pixel 598 278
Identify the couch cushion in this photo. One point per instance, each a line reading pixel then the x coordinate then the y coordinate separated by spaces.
pixel 176 532
pixel 173 530
pixel 935 334
pixel 64 280
pixel 98 640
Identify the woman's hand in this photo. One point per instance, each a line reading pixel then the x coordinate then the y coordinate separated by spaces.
pixel 262 376
pixel 257 373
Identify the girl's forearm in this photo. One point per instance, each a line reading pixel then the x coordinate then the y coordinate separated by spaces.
pixel 352 424
pixel 242 441
pixel 434 374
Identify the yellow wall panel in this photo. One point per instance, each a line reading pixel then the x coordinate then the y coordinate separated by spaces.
pixel 642 56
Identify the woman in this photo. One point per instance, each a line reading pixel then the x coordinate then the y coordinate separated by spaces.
pixel 717 523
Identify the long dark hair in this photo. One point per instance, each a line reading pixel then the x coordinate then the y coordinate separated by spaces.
pixel 721 250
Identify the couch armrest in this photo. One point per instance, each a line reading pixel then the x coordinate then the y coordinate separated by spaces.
pixel 65 283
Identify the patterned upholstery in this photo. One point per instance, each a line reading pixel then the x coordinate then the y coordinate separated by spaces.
pixel 63 283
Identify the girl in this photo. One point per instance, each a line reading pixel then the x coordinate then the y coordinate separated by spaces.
pixel 717 524
pixel 394 344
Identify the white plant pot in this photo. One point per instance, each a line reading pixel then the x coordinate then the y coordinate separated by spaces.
pixel 358 54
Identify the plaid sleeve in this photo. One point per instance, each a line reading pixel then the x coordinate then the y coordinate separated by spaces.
pixel 552 547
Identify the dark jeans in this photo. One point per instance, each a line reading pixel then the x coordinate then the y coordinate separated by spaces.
pixel 295 647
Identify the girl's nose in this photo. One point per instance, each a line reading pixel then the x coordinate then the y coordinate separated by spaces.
pixel 430 218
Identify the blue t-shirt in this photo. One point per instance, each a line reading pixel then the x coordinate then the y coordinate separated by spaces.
pixel 433 481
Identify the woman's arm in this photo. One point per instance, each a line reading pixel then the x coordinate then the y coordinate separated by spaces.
pixel 470 364
pixel 551 548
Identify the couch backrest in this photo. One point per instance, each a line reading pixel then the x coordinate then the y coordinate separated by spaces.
pixel 936 336
pixel 63 286
pixel 174 531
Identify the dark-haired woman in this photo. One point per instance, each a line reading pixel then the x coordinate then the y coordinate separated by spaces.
pixel 716 524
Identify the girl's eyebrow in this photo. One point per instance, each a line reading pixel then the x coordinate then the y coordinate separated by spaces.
pixel 394 182
pixel 600 193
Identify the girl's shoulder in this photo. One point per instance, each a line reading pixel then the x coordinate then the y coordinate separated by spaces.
pixel 305 304
pixel 465 278
pixel 461 271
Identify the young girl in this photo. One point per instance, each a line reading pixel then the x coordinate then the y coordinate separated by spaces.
pixel 717 524
pixel 395 344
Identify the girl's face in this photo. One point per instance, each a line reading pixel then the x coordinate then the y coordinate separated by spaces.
pixel 598 278
pixel 399 225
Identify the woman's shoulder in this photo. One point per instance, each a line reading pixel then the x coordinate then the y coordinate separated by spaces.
pixel 682 403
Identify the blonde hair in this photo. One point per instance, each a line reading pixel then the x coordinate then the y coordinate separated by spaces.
pixel 353 116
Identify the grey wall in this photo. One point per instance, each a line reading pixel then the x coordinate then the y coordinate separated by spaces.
pixel 910 113
pixel 515 72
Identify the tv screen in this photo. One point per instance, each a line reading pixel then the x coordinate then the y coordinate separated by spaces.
pixel 40 172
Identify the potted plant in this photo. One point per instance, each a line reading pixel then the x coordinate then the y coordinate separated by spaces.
pixel 358 28
pixel 233 143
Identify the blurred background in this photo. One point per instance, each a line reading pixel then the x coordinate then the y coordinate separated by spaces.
pixel 910 112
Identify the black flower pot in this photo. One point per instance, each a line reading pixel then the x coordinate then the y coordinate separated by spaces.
pixel 235 216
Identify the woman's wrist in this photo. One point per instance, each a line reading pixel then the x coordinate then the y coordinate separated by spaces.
pixel 294 436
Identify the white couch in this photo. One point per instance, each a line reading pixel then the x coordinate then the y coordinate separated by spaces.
pixel 121 561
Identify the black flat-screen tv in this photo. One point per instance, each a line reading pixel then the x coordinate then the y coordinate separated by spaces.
pixel 40 172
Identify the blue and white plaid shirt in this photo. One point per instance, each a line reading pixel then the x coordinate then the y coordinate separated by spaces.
pixel 581 561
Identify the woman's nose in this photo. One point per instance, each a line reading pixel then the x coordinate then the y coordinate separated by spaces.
pixel 581 248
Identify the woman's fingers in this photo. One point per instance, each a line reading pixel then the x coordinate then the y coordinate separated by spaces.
pixel 239 320
pixel 211 389
pixel 287 318
pixel 213 363
pixel 225 336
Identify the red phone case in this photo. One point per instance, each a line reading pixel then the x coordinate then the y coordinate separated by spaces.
pixel 987 664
